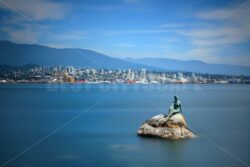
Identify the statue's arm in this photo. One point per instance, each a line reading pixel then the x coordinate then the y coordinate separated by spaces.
pixel 170 110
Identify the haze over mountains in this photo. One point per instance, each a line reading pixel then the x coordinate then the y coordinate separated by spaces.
pixel 193 66
pixel 21 54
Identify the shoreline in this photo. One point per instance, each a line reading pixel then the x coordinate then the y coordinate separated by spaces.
pixel 120 83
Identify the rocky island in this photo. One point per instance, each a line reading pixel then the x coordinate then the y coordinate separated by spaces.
pixel 171 126
pixel 174 127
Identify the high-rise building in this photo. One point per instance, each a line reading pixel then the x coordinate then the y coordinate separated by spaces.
pixel 144 73
pixel 70 70
pixel 129 74
pixel 179 75
pixel 132 75
pixel 59 68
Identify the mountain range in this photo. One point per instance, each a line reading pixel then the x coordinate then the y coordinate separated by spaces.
pixel 14 54
pixel 193 66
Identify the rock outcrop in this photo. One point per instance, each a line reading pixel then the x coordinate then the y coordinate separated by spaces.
pixel 173 128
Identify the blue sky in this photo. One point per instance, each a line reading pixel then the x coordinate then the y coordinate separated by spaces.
pixel 213 31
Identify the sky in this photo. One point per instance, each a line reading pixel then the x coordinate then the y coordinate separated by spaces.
pixel 213 31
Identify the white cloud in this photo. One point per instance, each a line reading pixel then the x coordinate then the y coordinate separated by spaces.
pixel 224 13
pixel 230 27
pixel 224 35
pixel 233 29
pixel 36 9
pixel 27 35
pixel 33 35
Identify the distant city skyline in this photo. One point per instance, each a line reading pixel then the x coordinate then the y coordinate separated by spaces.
pixel 70 74
pixel 207 30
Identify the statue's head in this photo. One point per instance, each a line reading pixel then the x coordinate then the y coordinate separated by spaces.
pixel 175 98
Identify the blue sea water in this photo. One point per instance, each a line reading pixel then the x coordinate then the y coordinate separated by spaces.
pixel 96 125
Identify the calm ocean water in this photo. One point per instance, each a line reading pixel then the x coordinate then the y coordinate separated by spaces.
pixel 95 125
